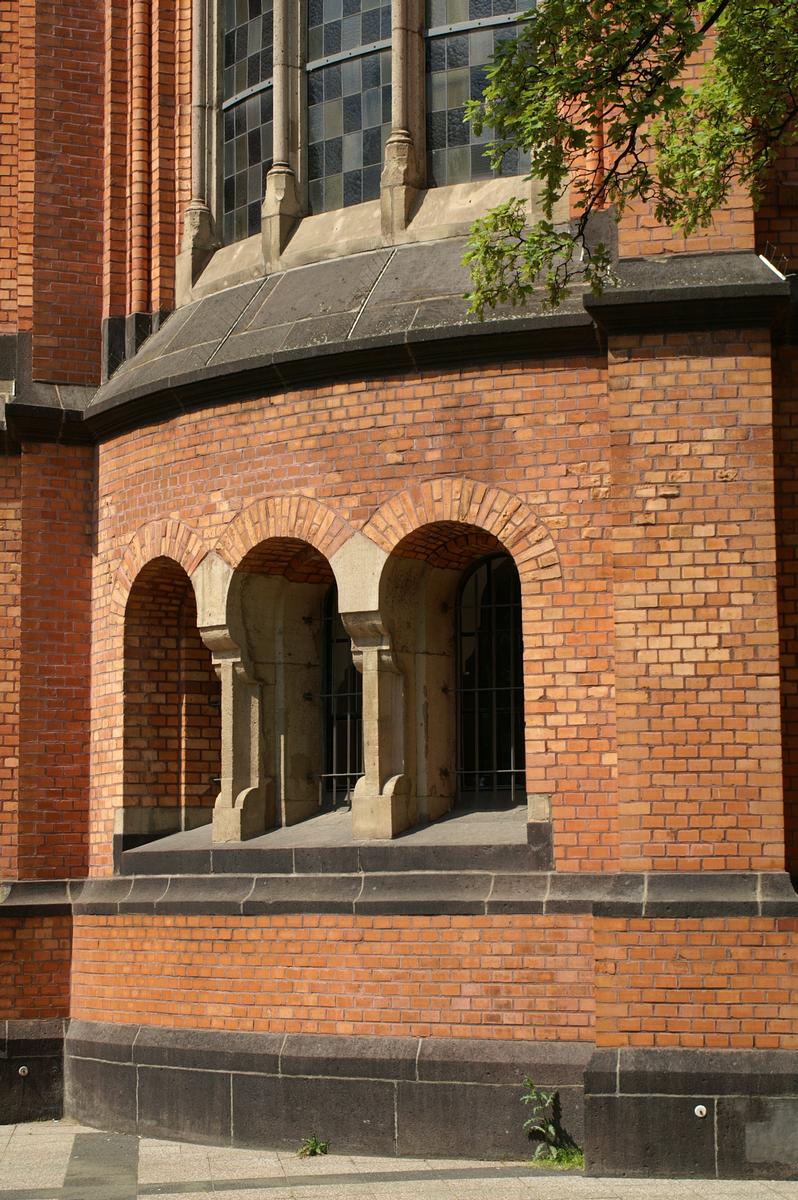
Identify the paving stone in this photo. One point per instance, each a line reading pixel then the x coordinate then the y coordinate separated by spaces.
pixel 65 1161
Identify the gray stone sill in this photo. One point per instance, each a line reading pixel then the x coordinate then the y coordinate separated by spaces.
pixel 373 889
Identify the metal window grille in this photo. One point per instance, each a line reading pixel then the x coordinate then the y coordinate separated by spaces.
pixel 342 708
pixel 490 689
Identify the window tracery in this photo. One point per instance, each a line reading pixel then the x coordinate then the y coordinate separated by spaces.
pixel 335 110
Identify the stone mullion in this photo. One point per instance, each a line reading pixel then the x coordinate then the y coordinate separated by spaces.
pixel 403 173
pixel 281 207
pixel 199 236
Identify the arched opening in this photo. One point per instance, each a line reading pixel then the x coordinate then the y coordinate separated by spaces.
pixel 490 685
pixel 452 601
pixel 297 650
pixel 172 736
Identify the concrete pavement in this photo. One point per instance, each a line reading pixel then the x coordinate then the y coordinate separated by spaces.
pixel 60 1160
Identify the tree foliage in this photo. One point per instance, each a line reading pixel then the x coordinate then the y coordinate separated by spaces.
pixel 598 93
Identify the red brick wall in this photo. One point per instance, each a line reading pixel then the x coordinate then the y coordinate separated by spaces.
pixel 164 152
pixel 34 967
pixel 57 504
pixel 536 431
pixel 732 227
pixel 785 436
pixel 183 43
pixel 67 291
pixel 10 622
pixel 480 977
pixel 24 180
pixel 777 216
pixel 9 150
pixel 155 157
pixel 695 603
pixel 115 98
pixel 172 711
pixel 708 984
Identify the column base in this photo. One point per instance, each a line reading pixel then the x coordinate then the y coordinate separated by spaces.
pixel 197 247
pixel 385 814
pixel 279 214
pixel 398 185
pixel 250 816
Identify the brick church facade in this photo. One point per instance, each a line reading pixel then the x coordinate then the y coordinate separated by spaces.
pixel 392 705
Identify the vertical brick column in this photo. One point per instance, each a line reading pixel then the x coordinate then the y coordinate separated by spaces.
pixel 785 436
pixel 67 200
pixel 10 539
pixel 56 503
pixel 699 766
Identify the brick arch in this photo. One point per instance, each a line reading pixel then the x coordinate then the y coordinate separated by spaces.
pixel 299 518
pixel 467 502
pixel 166 538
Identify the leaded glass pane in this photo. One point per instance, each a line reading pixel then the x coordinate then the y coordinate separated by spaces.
pixel 456 72
pixel 247 104
pixel 349 101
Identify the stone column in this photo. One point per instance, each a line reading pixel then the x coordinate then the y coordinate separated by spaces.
pixel 403 174
pixel 382 805
pixel 281 209
pixel 245 804
pixel 199 240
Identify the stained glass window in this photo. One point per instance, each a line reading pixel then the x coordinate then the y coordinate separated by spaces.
pixel 462 36
pixel 247 110
pixel 349 100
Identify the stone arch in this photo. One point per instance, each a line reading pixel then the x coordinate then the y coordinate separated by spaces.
pixel 171 708
pixel 295 517
pixel 277 552
pixel 164 538
pixel 470 502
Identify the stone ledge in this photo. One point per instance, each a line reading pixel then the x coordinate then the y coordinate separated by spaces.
pixel 478 892
pixel 734 290
pixel 635 1111
pixel 686 1072
pixel 364 858
pixel 481 891
pixel 371 314
pixel 729 1114
pixel 38 1047
pixel 35 898
pixel 388 1096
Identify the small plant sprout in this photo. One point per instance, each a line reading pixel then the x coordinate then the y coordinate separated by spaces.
pixel 555 1146
pixel 311 1146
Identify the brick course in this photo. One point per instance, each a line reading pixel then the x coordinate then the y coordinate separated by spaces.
pixel 697 667
pixel 475 977
pixel 10 655
pixel 718 984
pixel 56 498
pixel 34 968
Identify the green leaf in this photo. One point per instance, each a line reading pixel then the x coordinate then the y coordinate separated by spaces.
pixel 584 75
